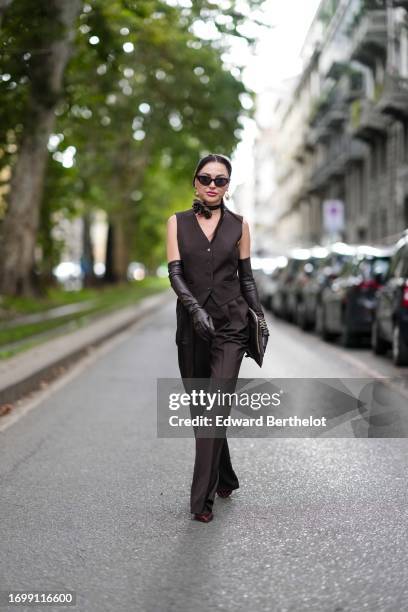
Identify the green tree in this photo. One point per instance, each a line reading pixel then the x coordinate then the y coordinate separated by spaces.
pixel 50 47
pixel 142 97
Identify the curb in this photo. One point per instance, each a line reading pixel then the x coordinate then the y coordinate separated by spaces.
pixel 78 344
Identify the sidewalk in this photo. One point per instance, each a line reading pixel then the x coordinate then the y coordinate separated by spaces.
pixel 25 372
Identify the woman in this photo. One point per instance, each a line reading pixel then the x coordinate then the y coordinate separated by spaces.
pixel 206 246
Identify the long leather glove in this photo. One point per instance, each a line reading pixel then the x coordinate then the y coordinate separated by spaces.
pixel 202 321
pixel 250 293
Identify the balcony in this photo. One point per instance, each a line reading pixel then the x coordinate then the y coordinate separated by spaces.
pixel 327 168
pixel 336 69
pixel 326 118
pixel 353 151
pixel 341 152
pixel 319 179
pixel 335 115
pixel 317 134
pixel 393 98
pixel 338 155
pixel 350 151
pixel 366 122
pixel 370 37
pixel 355 91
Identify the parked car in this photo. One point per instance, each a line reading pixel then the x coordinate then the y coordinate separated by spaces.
pixel 267 280
pixel 390 325
pixel 295 292
pixel 349 301
pixel 279 300
pixel 262 269
pixel 327 269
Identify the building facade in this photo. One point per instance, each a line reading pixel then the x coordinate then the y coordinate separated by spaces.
pixel 341 136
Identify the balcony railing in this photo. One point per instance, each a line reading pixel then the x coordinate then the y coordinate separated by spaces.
pixel 319 178
pixel 366 122
pixel 320 133
pixel 353 151
pixel 341 152
pixel 393 97
pixel 326 117
pixel 370 37
pixel 335 114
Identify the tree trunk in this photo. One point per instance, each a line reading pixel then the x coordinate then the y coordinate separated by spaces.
pixel 87 252
pixel 108 277
pixel 4 4
pixel 20 225
pixel 128 173
pixel 117 250
pixel 121 248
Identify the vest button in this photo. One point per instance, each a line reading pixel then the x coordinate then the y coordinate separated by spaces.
pixel 208 249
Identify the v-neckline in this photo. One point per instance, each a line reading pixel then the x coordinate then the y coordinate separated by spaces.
pixel 215 229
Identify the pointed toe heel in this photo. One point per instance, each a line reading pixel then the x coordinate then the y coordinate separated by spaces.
pixel 205 517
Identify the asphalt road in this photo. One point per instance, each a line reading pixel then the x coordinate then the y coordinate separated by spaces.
pixel 94 502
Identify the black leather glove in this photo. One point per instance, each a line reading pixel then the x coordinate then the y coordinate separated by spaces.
pixel 250 293
pixel 202 322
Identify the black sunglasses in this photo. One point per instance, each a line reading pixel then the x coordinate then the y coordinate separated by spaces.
pixel 219 181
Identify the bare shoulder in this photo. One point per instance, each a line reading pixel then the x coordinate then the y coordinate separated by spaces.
pixel 245 224
pixel 172 222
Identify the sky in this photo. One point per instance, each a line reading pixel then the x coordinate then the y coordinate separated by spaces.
pixel 276 57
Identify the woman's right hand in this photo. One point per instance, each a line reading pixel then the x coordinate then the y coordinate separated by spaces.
pixel 203 324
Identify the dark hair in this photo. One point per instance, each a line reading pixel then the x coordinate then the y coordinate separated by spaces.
pixel 217 157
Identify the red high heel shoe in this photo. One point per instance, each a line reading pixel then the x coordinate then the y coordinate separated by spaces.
pixel 224 492
pixel 205 517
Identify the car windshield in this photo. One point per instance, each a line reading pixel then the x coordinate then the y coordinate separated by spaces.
pixel 370 267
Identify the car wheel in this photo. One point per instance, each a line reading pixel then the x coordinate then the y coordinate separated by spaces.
pixel 347 338
pixel 319 319
pixel 321 325
pixel 378 344
pixel 399 347
pixel 301 316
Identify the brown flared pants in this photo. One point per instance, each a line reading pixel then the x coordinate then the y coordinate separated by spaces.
pixel 218 361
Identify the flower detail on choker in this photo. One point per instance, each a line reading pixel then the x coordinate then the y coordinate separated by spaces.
pixel 205 209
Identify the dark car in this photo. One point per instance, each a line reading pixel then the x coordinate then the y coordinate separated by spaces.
pixel 269 282
pixel 328 268
pixel 280 300
pixel 296 290
pixel 264 269
pixel 349 300
pixel 390 325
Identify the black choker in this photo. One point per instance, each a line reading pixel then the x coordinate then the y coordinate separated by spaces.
pixel 206 209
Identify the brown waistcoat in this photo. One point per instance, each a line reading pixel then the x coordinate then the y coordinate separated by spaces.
pixel 210 267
